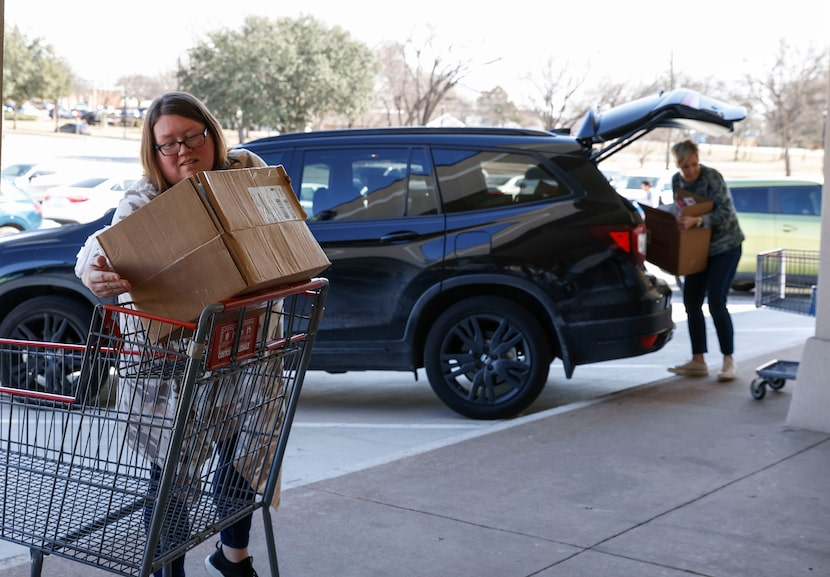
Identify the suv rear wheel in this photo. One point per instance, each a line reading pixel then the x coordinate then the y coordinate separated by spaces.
pixel 487 358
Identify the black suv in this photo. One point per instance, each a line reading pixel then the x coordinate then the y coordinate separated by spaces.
pixel 478 254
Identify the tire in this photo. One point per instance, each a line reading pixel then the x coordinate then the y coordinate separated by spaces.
pixel 758 388
pixel 8 230
pixel 777 383
pixel 743 285
pixel 487 358
pixel 55 319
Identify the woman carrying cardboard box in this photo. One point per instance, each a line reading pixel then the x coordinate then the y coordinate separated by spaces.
pixel 713 283
pixel 180 138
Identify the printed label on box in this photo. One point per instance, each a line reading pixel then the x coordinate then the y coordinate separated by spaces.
pixel 272 203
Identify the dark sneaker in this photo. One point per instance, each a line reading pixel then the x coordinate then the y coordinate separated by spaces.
pixel 218 566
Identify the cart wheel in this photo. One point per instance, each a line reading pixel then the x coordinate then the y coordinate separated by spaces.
pixel 777 383
pixel 758 388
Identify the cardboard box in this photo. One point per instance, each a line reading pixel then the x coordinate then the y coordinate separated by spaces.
pixel 676 251
pixel 213 236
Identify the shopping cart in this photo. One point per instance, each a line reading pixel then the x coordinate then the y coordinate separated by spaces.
pixel 785 279
pixel 77 473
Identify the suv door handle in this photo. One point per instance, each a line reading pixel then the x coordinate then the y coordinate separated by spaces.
pixel 399 237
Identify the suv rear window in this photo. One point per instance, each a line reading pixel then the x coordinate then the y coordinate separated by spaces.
pixel 474 179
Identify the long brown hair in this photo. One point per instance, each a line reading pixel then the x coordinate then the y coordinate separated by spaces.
pixel 188 106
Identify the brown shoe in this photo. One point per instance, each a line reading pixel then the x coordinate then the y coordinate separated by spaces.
pixel 690 369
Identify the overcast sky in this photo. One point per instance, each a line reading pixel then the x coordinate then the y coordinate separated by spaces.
pixel 103 40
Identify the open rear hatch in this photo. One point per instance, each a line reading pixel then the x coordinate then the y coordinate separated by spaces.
pixel 686 109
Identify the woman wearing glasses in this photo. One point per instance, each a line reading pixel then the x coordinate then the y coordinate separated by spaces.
pixel 180 137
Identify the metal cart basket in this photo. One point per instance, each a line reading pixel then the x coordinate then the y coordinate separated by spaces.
pixel 123 486
pixel 785 279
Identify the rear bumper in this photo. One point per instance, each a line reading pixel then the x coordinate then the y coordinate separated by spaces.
pixel 622 338
pixel 607 339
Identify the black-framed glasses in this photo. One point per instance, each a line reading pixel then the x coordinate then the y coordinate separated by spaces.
pixel 173 148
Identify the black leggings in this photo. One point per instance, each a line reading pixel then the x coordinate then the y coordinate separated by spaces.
pixel 227 484
pixel 712 286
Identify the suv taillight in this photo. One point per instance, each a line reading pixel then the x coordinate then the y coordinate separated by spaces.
pixel 631 241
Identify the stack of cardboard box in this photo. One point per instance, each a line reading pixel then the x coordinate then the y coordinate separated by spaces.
pixel 213 236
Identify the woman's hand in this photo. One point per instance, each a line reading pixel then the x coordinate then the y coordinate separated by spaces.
pixel 102 280
pixel 687 222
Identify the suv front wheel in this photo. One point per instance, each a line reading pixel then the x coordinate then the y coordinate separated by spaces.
pixel 487 358
pixel 47 322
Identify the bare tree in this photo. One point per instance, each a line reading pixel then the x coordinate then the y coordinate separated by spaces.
pixel 392 94
pixel 790 95
pixel 143 87
pixel 556 87
pixel 415 79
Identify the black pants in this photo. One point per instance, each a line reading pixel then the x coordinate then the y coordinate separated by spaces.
pixel 712 285
pixel 228 487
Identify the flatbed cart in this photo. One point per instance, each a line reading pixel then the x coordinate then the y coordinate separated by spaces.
pixel 785 279
pixel 78 477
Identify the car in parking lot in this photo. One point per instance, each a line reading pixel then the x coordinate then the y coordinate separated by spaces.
pixel 63 113
pixel 41 299
pixel 18 212
pixel 774 213
pixel 23 170
pixel 75 128
pixel 41 177
pixel 630 186
pixel 30 176
pixel 612 174
pixel 122 116
pixel 432 268
pixel 85 199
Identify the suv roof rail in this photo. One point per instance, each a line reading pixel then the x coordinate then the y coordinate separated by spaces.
pixel 413 130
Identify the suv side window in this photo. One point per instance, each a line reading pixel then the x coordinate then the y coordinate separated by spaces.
pixel 360 183
pixel 421 198
pixel 315 177
pixel 475 179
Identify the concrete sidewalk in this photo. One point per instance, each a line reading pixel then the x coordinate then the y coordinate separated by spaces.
pixel 682 477
pixel 676 478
